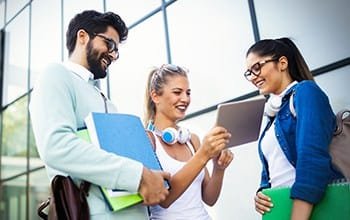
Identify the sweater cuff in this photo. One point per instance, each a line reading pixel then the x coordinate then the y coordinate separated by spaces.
pixel 306 193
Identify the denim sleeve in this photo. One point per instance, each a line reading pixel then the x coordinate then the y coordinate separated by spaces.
pixel 315 123
pixel 265 179
pixel 264 183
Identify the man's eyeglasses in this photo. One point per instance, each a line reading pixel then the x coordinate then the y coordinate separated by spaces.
pixel 255 70
pixel 111 45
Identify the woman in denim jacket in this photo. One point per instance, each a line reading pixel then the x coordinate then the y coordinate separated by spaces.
pixel 293 149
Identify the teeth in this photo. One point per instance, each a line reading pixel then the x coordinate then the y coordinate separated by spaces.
pixel 260 83
pixel 181 107
pixel 105 62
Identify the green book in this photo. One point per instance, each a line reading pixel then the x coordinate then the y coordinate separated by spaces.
pixel 116 199
pixel 334 205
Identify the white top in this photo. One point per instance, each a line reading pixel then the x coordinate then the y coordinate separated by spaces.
pixel 189 205
pixel 281 172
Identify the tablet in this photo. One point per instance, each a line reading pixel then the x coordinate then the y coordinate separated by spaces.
pixel 242 119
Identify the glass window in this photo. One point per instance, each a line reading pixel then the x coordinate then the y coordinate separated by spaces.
pixel 13 199
pixel 33 152
pixel 336 85
pixel 210 39
pixel 16 58
pixel 38 191
pixel 14 139
pixel 45 35
pixel 128 11
pixel 144 48
pixel 2 14
pixel 14 7
pixel 320 29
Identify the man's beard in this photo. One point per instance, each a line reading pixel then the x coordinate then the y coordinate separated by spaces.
pixel 94 62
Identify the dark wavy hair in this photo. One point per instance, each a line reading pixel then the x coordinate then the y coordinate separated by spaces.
pixel 94 22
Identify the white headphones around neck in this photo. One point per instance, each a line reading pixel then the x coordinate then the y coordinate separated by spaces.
pixel 273 105
pixel 171 135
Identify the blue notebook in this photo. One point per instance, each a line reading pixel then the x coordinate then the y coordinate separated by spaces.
pixel 115 199
pixel 124 135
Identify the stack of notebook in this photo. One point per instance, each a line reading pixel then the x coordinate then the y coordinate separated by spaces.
pixel 124 135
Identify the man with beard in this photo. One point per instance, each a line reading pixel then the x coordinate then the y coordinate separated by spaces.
pixel 64 95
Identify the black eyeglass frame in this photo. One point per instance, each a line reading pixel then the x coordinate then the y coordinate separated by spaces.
pixel 111 44
pixel 258 65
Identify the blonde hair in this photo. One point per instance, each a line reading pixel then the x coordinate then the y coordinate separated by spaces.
pixel 156 80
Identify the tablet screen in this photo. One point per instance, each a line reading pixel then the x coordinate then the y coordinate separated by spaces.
pixel 242 119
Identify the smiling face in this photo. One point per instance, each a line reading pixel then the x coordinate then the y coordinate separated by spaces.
pixel 172 102
pixel 99 54
pixel 271 76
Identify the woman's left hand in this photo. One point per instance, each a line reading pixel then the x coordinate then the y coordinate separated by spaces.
pixel 223 159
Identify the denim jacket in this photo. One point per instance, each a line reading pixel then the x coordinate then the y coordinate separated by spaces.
pixel 304 140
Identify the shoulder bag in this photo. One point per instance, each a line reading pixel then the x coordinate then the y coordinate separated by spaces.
pixel 67 201
pixel 339 148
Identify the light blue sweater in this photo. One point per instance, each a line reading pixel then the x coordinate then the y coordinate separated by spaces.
pixel 60 101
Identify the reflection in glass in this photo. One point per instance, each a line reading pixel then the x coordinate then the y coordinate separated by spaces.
pixel 13 199
pixel 16 58
pixel 143 49
pixel 210 39
pixel 322 33
pixel 46 48
pixel 71 8
pixel 14 139
pixel 128 11
pixel 38 190
pixel 2 14
pixel 13 7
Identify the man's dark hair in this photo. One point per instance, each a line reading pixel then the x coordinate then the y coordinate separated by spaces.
pixel 94 22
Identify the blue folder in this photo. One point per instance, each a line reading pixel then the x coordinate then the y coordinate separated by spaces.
pixel 124 135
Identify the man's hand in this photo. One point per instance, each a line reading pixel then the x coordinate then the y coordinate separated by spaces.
pixel 152 188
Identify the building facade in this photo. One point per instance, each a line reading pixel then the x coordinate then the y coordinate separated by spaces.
pixel 209 38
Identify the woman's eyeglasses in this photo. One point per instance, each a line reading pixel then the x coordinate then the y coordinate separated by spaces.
pixel 111 45
pixel 255 70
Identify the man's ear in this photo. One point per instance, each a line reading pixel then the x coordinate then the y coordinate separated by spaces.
pixel 82 37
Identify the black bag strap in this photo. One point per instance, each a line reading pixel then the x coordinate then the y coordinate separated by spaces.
pixel 41 208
